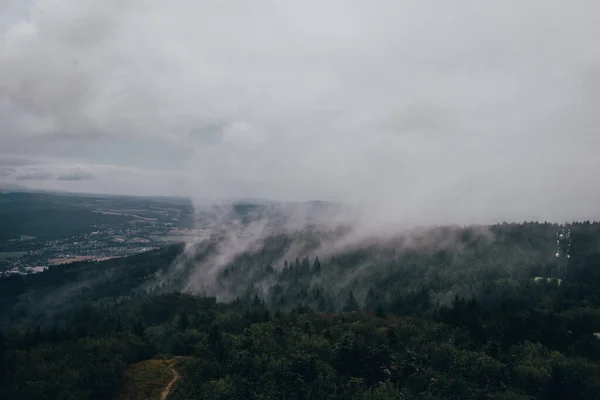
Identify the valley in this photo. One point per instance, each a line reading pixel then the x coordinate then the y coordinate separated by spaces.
pixel 95 228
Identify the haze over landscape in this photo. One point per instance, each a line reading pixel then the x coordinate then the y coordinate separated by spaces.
pixel 421 112
pixel 227 199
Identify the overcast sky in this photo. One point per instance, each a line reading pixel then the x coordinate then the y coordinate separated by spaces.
pixel 466 110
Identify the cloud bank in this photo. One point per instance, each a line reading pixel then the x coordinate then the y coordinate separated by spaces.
pixel 75 174
pixel 419 112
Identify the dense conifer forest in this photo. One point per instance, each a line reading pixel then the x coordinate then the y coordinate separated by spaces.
pixel 450 313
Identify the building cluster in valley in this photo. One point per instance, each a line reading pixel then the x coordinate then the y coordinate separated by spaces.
pixel 101 244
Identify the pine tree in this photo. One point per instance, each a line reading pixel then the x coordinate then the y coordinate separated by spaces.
pixel 138 328
pixel 316 266
pixel 322 305
pixel 351 303
pixel 305 265
pixel 184 322
pixel 371 301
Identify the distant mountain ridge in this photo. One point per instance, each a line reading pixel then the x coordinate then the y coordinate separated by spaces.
pixel 6 187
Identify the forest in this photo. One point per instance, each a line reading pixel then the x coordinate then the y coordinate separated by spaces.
pixel 446 313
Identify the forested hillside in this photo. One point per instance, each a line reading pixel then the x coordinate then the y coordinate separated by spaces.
pixel 446 313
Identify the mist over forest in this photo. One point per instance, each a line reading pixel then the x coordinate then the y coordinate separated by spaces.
pixel 304 303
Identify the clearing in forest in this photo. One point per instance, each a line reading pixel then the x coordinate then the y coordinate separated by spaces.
pixel 149 380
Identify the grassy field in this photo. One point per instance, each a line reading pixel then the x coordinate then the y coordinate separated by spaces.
pixel 147 380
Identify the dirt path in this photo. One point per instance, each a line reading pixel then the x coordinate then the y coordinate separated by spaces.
pixel 165 393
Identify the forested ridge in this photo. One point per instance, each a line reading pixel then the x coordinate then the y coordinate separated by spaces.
pixel 454 313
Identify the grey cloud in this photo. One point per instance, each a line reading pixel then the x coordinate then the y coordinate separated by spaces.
pixel 414 112
pixel 35 176
pixel 5 171
pixel 76 174
pixel 16 160
pixel 423 118
pixel 210 133
pixel 95 22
